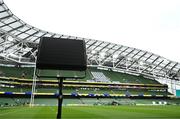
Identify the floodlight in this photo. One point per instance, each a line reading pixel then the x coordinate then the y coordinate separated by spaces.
pixel 102 54
pixel 129 59
pixel 115 56
pixel 93 51
pixel 9 38
pixel 141 62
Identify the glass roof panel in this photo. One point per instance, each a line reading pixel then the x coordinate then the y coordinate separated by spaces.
pixel 91 42
pixel 105 50
pixel 124 53
pixel 4 14
pixel 31 31
pixel 9 20
pixel 47 35
pixel 110 46
pixel 33 38
pixel 123 48
pixel 99 46
pixel 110 51
pixel 1 24
pixel 162 64
pixel 22 36
pixel 116 47
pixel 97 43
pixel 137 56
pixel 129 50
pixel 178 66
pixel 135 51
pixel 92 47
pixel 2 8
pixel 25 28
pixel 6 28
pixel 15 32
pixel 153 57
pixel 104 44
pixel 15 25
pixel 39 34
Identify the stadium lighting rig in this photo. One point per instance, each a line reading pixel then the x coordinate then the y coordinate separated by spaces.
pixel 59 54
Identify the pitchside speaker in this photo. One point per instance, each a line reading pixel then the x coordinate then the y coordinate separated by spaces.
pixel 61 54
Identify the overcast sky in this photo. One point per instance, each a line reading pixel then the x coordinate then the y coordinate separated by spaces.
pixel 151 25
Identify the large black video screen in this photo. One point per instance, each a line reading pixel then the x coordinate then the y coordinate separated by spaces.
pixel 61 54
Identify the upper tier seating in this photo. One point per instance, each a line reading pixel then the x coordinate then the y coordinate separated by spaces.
pixel 99 75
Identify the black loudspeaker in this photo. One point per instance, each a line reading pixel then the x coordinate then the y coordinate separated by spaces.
pixel 61 54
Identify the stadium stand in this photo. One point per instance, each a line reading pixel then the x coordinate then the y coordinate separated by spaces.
pixel 123 75
pixel 111 83
pixel 103 75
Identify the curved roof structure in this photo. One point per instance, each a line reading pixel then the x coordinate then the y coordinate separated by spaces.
pixel 19 41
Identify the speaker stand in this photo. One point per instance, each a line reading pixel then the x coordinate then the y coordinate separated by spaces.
pixel 60 97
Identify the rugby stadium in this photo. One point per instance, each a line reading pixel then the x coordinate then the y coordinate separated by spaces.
pixel 121 81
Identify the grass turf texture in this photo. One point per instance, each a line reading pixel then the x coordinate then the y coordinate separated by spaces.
pixel 93 112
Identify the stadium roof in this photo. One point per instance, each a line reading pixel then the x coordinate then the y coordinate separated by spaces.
pixel 19 41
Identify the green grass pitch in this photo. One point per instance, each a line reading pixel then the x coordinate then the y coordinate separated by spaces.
pixel 93 112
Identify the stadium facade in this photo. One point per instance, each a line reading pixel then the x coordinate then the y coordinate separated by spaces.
pixel 19 42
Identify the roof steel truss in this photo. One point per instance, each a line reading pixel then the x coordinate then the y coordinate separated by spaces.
pixel 19 41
